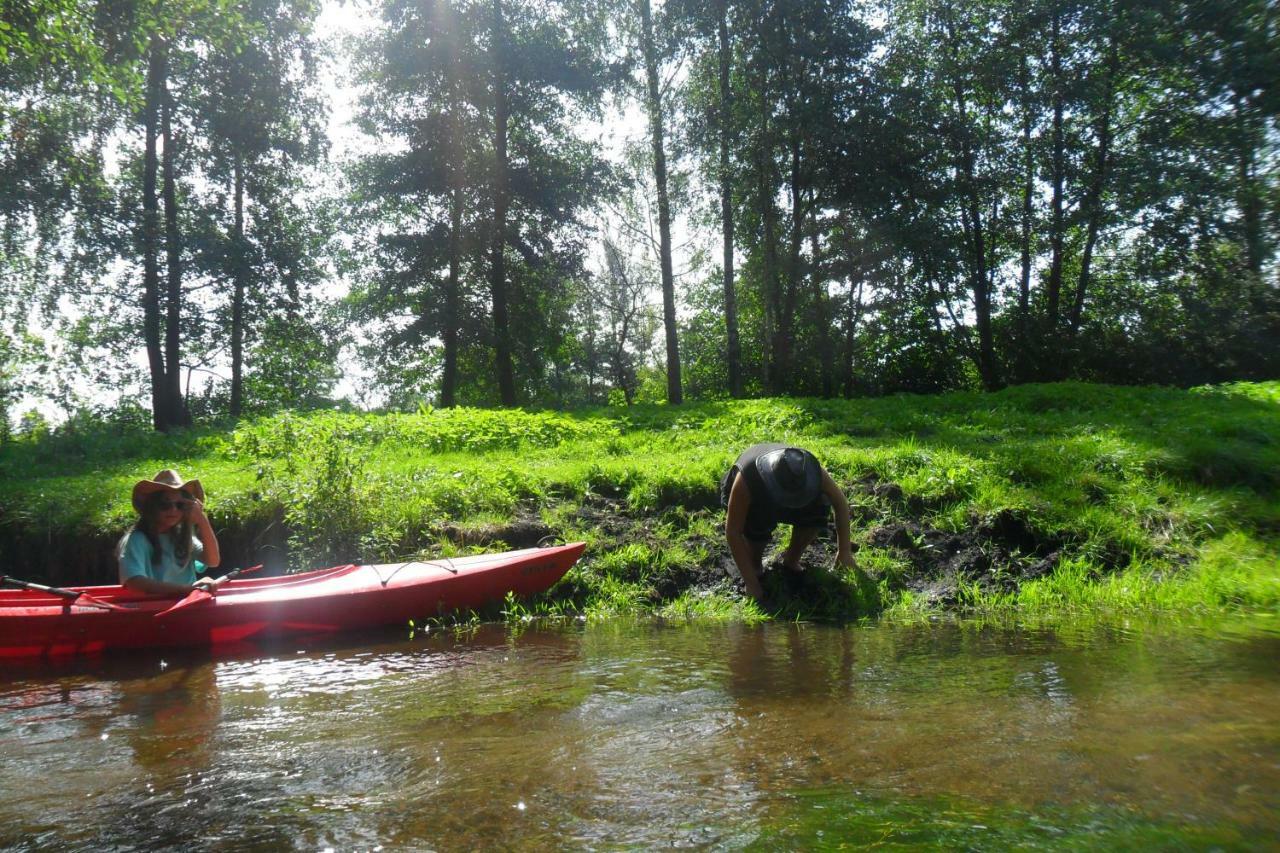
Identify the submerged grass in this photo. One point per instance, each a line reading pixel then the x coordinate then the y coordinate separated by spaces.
pixel 838 818
pixel 1041 498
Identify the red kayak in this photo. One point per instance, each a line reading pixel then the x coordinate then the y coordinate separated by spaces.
pixel 342 598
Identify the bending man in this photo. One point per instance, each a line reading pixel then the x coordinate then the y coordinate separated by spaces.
pixel 772 484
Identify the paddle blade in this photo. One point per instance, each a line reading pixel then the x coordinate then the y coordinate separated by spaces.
pixel 194 597
pixel 87 600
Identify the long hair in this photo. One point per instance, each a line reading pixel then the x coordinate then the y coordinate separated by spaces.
pixel 180 534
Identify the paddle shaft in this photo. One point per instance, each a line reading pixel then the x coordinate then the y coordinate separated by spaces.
pixel 235 573
pixel 71 595
pixel 5 580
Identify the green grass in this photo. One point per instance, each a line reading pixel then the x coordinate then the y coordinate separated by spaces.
pixel 1149 498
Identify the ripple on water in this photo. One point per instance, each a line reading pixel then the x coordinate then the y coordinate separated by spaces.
pixel 721 736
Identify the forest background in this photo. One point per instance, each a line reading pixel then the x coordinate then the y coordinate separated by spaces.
pixel 830 199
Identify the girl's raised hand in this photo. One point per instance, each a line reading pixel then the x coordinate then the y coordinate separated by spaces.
pixel 196 513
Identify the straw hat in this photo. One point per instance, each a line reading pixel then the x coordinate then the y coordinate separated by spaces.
pixel 792 476
pixel 166 480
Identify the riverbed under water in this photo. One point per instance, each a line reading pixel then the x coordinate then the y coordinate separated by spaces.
pixel 965 734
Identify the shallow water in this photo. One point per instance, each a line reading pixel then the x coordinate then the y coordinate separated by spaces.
pixel 963 734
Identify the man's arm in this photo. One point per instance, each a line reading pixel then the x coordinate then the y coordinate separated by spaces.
pixel 844 552
pixel 735 524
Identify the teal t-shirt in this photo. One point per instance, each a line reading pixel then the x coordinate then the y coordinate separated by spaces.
pixel 135 560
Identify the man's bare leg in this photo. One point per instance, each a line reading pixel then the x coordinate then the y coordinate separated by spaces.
pixel 801 537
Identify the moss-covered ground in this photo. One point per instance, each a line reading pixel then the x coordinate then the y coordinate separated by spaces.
pixel 1040 498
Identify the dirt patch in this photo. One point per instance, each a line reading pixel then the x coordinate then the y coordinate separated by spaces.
pixel 522 532
pixel 609 518
pixel 880 489
pixel 673 580
pixel 997 552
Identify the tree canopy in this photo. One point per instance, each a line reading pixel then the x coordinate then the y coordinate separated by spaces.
pixel 560 202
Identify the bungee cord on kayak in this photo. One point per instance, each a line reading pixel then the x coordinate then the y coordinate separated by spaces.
pixel 396 571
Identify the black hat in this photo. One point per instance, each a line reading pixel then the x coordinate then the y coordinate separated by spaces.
pixel 792 476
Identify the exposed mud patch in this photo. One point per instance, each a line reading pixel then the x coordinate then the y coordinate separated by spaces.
pixel 608 517
pixel 997 553
pixel 523 532
pixel 877 488
pixel 674 580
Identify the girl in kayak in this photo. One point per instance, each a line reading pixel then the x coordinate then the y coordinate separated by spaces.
pixel 772 484
pixel 172 542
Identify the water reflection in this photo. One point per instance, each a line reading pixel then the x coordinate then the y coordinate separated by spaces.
pixel 643 735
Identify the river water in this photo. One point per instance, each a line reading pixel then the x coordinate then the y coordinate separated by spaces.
pixel 622 735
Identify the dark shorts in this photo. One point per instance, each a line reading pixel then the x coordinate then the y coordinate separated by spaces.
pixel 760 525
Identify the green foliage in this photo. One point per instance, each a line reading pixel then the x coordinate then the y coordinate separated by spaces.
pixel 325 503
pixel 428 431
pixel 926 196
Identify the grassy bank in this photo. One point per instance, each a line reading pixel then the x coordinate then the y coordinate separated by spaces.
pixel 1039 498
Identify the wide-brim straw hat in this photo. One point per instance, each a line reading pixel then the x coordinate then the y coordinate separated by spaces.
pixel 792 476
pixel 167 480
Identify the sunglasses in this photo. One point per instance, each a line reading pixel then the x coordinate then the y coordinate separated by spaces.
pixel 181 506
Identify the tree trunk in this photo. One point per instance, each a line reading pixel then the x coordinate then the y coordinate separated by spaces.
pixel 853 310
pixel 237 296
pixel 449 334
pixel 976 250
pixel 790 285
pixel 151 238
pixel 975 242
pixel 987 365
pixel 1028 215
pixel 979 285
pixel 1093 201
pixel 656 132
pixel 822 311
pixel 734 349
pixel 179 416
pixel 1249 191
pixel 775 367
pixel 1056 236
pixel 501 201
